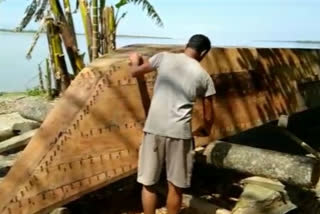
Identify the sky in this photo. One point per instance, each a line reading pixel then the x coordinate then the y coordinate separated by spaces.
pixel 232 20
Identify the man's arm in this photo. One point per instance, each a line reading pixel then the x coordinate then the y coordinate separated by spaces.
pixel 206 91
pixel 208 116
pixel 139 65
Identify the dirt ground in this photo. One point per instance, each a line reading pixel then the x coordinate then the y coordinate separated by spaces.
pixel 123 197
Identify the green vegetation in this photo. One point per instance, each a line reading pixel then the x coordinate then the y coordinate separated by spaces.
pixel 36 91
pixel 12 94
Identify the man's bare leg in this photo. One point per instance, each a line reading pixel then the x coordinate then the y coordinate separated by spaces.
pixel 174 199
pixel 149 200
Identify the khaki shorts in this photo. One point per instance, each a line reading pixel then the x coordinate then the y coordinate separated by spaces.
pixel 176 154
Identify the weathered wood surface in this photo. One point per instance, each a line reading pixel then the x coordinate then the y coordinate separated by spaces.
pixel 292 169
pixel 92 135
pixel 15 142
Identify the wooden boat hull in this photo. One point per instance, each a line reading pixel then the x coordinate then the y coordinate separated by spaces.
pixel 91 138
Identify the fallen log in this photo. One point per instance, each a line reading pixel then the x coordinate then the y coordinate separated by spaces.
pixel 292 169
pixel 17 141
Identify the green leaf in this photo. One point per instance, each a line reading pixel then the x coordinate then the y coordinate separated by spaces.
pixel 121 3
pixel 151 12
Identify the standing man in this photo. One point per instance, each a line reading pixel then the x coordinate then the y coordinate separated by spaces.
pixel 168 138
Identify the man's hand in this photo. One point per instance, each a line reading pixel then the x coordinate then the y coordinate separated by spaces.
pixel 205 129
pixel 138 65
pixel 135 59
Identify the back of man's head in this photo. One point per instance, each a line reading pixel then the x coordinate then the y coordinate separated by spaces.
pixel 199 43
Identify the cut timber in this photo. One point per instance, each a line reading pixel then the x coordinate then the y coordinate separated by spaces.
pixel 296 170
pixel 17 141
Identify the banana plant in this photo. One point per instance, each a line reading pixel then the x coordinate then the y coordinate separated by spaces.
pixel 112 18
pixel 87 24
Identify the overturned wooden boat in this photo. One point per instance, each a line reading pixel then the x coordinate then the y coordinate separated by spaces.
pixel 91 138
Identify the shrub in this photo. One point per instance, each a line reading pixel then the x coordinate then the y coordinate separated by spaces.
pixel 36 91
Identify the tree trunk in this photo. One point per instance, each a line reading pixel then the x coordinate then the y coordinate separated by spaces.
pixel 67 36
pixel 293 169
pixel 95 29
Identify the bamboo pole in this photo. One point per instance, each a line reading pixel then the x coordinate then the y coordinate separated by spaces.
pixel 95 29
pixel 111 29
pixel 102 26
pixel 86 20
pixel 48 79
pixel 60 61
pixel 67 9
pixel 54 69
pixel 67 36
pixel 105 31
pixel 41 85
pixel 65 77
pixel 61 72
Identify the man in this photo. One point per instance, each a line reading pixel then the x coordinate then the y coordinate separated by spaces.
pixel 168 138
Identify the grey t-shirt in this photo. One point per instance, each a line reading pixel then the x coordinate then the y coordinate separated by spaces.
pixel 180 79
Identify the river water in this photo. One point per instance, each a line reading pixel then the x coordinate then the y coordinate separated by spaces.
pixel 18 73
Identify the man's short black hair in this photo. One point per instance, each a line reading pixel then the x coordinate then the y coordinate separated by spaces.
pixel 199 43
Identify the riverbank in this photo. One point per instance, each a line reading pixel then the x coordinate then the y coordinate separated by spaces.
pixel 17 101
